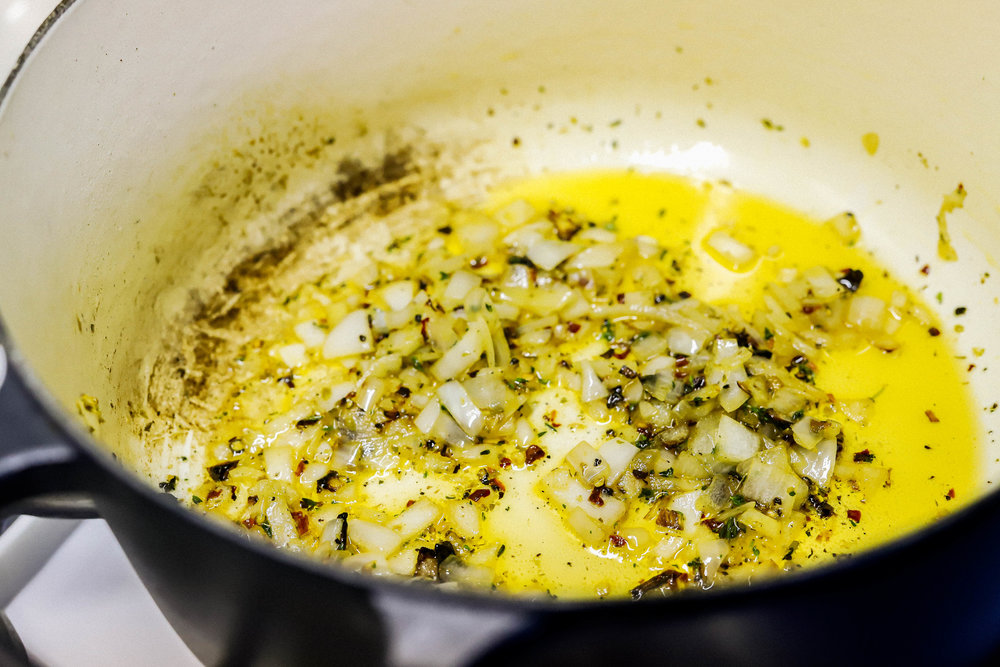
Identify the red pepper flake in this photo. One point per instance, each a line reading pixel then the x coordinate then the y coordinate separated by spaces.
pixel 934 331
pixel 681 362
pixel 809 309
pixel 505 462
pixel 595 497
pixel 250 523
pixel 478 495
pixel 479 262
pixel 409 503
pixel 950 495
pixel 214 493
pixel 925 269
pixel 301 523
pixel 423 328
pixel 618 541
pixel 864 456
pixel 251 500
pixel 931 416
pixel 573 327
pixel 854 515
pixel 300 468
pixel 533 453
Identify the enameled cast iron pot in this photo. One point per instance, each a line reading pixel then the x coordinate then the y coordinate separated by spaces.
pixel 117 108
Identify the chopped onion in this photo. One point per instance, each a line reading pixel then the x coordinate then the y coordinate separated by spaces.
pixel 460 284
pixel 595 257
pixel 734 441
pixel 293 355
pixel 591 465
pixel 373 537
pixel 618 454
pixel 460 356
pixel 687 505
pixel 817 463
pixel 456 399
pixel 416 518
pixel 592 387
pixel 548 254
pixel 730 253
pixel 398 295
pixel 310 333
pixel 278 462
pixel 353 335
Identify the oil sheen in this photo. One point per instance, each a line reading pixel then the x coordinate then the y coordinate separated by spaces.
pixel 918 423
pixel 920 426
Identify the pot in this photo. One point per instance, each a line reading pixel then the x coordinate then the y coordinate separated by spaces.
pixel 143 147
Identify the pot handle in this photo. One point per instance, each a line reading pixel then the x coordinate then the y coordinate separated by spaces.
pixel 40 473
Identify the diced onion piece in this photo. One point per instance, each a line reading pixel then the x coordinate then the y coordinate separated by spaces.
pixel 479 236
pixel 337 393
pixel 702 439
pixel 817 464
pixel 636 539
pixel 570 492
pixel 370 393
pixel 516 213
pixel 712 553
pixel 352 335
pixel 460 284
pixel 456 399
pixel 618 454
pixel 595 257
pixel 310 333
pixel 732 397
pixel 403 562
pixel 312 472
pixel 760 522
pixel 523 433
pixel 283 528
pixel 293 355
pixel 398 295
pixel 764 482
pixel 474 576
pixel 807 432
pixel 464 518
pixel 821 283
pixel 869 476
pixel 591 387
pixel 589 463
pixel 687 505
pixel 278 462
pixel 416 518
pixel 372 537
pixel 730 253
pixel 669 547
pixel 548 254
pixel 846 226
pixel 587 529
pixel 460 356
pixel 734 441
pixel 684 341
pixel 866 312
pixel 488 390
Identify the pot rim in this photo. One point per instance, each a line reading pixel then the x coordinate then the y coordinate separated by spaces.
pixel 786 584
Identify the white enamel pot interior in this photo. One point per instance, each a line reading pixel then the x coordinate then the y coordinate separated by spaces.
pixel 121 111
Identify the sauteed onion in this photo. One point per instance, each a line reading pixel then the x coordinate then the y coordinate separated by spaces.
pixel 402 415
